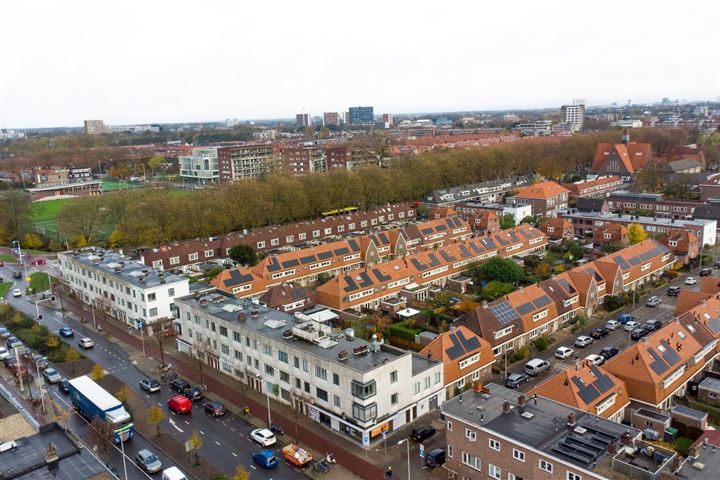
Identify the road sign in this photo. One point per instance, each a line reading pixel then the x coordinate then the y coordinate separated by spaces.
pixel 28 279
pixel 188 445
pixel 422 450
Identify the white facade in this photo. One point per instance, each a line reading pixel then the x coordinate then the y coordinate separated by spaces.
pixel 351 386
pixel 201 166
pixel 129 291
pixel 574 115
pixel 627 123
pixel 517 211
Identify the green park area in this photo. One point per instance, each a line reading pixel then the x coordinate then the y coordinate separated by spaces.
pixel 4 287
pixel 39 281
pixel 44 214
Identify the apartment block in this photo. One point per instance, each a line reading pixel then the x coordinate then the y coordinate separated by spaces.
pixel 304 159
pixel 545 198
pixel 331 118
pixel 355 388
pixel 491 191
pixel 599 187
pixel 361 116
pixel 201 166
pixel 302 119
pixel 574 115
pixel 623 201
pixel 131 292
pixel 243 162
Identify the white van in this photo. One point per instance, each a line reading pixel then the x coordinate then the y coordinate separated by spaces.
pixel 536 366
pixel 173 473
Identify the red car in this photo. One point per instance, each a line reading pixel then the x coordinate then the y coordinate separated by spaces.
pixel 180 404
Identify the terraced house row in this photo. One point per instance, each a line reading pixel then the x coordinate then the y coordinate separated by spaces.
pixel 179 254
pixel 363 279
pixel 540 309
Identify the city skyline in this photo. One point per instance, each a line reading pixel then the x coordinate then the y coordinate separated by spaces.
pixel 150 64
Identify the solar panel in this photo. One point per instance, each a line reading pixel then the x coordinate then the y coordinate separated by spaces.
pixel 588 393
pixel 434 262
pixel 526 308
pixel 324 255
pixel 418 264
pixel 647 255
pixel 566 285
pixel 447 257
pixel 669 355
pixel 502 241
pixel 464 251
pixel 489 243
pixel 308 259
pixel 658 365
pixel 365 280
pixel 525 234
pixel 297 293
pixel 351 285
pixel 236 278
pixel 342 251
pixel 353 244
pixel 635 261
pixel 457 349
pixel 513 236
pixel 713 325
pixel 602 382
pixel 290 263
pixel 475 248
pixel 384 237
pixel 504 313
pixel 379 275
pixel 441 228
pixel 273 265
pixel 542 301
pixel 427 231
pixel 470 344
pixel 621 262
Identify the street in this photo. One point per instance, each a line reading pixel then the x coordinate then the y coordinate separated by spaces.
pixel 226 440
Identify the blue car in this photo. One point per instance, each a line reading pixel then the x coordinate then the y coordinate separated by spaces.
pixel 625 317
pixel 265 458
pixel 66 332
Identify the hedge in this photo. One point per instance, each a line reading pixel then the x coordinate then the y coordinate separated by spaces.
pixel 32 334
pixel 403 331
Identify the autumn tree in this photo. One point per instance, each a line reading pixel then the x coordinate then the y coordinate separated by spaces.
pixel 154 162
pixel 82 219
pixel 15 214
pixel 243 254
pixel 161 337
pixel 636 233
pixel 196 443
pixel 240 473
pixel 52 342
pixel 97 373
pixel 123 394
pixel 100 434
pixel 72 356
pixel 155 417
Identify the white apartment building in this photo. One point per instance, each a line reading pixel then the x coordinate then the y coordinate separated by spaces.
pixel 131 292
pixel 349 385
pixel 200 167
pixel 574 115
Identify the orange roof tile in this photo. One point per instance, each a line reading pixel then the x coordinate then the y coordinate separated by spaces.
pixel 452 350
pixel 544 190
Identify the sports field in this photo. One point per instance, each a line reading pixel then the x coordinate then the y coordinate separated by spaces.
pixel 44 214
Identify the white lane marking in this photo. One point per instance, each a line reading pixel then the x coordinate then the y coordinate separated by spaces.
pixel 253 467
pixel 217 443
pixel 234 454
pixel 188 423
pixel 172 422
pixel 202 433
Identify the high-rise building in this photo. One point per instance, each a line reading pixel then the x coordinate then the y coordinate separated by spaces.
pixel 246 161
pixel 361 116
pixel 331 118
pixel 95 127
pixel 300 160
pixel 574 114
pixel 388 119
pixel 303 119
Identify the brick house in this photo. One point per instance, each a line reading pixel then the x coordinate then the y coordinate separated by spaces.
pixel 624 159
pixel 611 233
pixel 598 187
pixel 684 244
pixel 544 197
pixel 557 228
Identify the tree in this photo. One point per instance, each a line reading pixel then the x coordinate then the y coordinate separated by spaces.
pixel 503 270
pixel 15 214
pixel 155 417
pixel 161 337
pixel 495 289
pixel 310 132
pixel 324 132
pixel 154 162
pixel 244 255
pixel 240 473
pixel 203 352
pixel 100 435
pixel 32 241
pixel 507 221
pixel 52 342
pixel 636 233
pixel 72 356
pixel 196 444
pixel 97 373
pixel 123 394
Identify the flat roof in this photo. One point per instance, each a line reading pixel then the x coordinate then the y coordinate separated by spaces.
pixel 272 323
pixel 60 186
pixel 123 267
pixel 678 222
pixel 541 424
pixel 710 384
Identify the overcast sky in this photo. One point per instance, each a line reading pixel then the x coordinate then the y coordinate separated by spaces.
pixel 152 61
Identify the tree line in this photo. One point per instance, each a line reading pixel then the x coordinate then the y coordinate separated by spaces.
pixel 150 217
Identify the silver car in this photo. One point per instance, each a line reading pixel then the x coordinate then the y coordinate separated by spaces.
pixel 148 461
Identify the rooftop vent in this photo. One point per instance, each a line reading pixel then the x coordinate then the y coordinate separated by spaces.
pixel 343 355
pixel 254 313
pixel 241 317
pixel 287 334
pixel 361 350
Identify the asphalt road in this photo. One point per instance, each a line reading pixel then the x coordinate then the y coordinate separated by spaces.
pixel 226 440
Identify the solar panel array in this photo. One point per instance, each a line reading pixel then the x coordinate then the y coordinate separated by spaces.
pixel 342 251
pixel 713 324
pixel 634 261
pixel 379 275
pixel 461 345
pixel 273 265
pixel 650 254
pixel 525 234
pixel 621 261
pixel 542 301
pixel 308 259
pixel 447 257
pixel 658 365
pixel 434 262
pixel 526 308
pixel 351 285
pixel 325 255
pixel 290 263
pixel 236 278
pixel 566 285
pixel 504 312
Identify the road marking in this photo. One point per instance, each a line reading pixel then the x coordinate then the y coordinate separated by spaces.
pixel 172 422
pixel 253 467
pixel 234 454
pixel 202 433
pixel 217 443
pixel 187 422
pixel 231 428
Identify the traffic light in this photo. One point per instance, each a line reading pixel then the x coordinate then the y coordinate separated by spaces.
pixel 40 316
pixel 52 299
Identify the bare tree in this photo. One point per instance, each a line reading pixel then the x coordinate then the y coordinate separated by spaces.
pixel 162 336
pixel 100 435
pixel 203 355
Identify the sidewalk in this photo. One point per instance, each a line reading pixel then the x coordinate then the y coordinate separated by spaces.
pixel 311 434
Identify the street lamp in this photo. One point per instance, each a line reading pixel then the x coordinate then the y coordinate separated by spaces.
pixel 407 442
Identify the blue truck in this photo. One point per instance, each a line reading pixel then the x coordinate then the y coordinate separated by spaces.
pixel 92 401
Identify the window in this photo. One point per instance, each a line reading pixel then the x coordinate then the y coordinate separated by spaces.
pixel 449 426
pixel 223 331
pixel 471 461
pixel 494 472
pixel 267 350
pixel 519 455
pixel 364 413
pixel 260 245
pixel 282 356
pixel 153 312
pixel 171 292
pixel 394 399
pixel 363 390
pixel 225 349
pixel 238 355
pixel 236 337
pixel 269 370
pixel 274 242
pixel 284 377
pixel 336 401
pixel 494 444
pixel 307 387
pixel 208 253
pixel 320 372
pixel 416 388
pixel 306 366
pixel 470 435
pixel 573 476
pixel 547 466
pixel 151 297
pixel 449 451
pixel 336 379
pixel 321 394
pixel 393 376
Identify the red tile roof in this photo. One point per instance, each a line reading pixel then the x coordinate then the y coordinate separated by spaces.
pixel 542 190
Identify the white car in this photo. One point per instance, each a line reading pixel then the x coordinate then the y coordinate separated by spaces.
pixel 690 281
pixel 612 325
pixel 564 352
pixel 4 353
pixel 630 326
pixel 263 436
pixel 597 360
pixel 17 293
pixel 86 343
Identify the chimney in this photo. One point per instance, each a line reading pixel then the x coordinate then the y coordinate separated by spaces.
pixel 507 408
pixel 625 139
pixel 521 403
pixel 694 451
pixel 626 439
pixel 611 448
pixel 571 420
pixel 677 463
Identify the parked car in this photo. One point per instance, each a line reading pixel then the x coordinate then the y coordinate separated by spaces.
pixel 173 473
pixel 690 281
pixel 13 342
pixel 625 317
pixel 583 341
pixel 652 325
pixel 536 366
pixel 706 272
pixel 194 394
pixel 515 379
pixel 179 404
pixel 265 458
pixel 599 332
pixel 64 386
pixel 17 274
pixel 595 359
pixel 148 461
pixel 630 326
pixel 9 360
pixel 86 343
pixel 653 301
pixel 673 291
pixel 608 352
pixel 421 433
pixel 435 457
pixel 52 375
pixel 179 385
pixel 564 352
pixel 4 353
pixel 638 333
pixel 150 385
pixel 214 409
pixel 66 332
pixel 4 333
pixel 263 436
pixel 717 264
pixel 17 293
pixel 612 325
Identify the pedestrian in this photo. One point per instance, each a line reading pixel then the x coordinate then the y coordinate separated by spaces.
pixel 389 474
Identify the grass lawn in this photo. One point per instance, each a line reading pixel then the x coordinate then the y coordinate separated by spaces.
pixel 44 214
pixel 110 185
pixel 8 258
pixel 682 445
pixel 4 287
pixel 39 281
